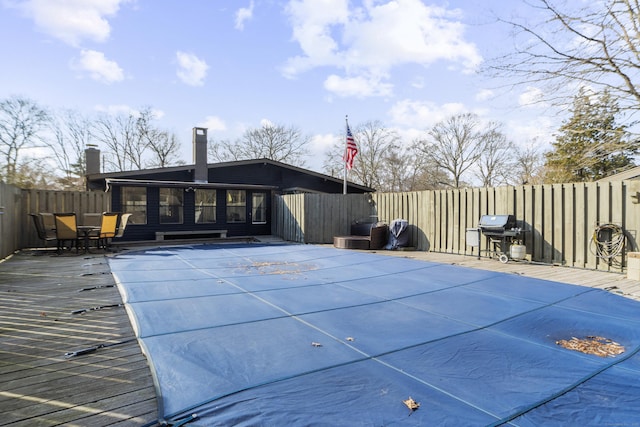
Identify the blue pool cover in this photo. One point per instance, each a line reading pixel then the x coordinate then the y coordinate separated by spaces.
pixel 285 335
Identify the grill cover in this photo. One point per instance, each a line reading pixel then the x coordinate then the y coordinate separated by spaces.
pixel 497 224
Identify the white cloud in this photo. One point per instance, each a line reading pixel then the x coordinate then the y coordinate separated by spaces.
pixel 484 94
pixel 244 14
pixel 320 144
pixel 117 109
pixel 213 123
pixel 73 21
pixel 359 86
pixel 373 39
pixel 265 123
pixel 531 97
pixel 527 131
pixel 98 66
pixel 422 114
pixel 191 69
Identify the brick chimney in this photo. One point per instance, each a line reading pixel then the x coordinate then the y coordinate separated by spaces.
pixel 201 173
pixel 92 159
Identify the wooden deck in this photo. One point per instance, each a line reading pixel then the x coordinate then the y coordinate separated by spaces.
pixel 39 386
pixel 112 385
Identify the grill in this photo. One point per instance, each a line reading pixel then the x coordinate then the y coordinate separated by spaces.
pixel 498 225
pixel 500 231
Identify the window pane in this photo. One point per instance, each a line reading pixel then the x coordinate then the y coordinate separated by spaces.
pixel 205 206
pixel 171 205
pixel 236 206
pixel 134 201
pixel 259 208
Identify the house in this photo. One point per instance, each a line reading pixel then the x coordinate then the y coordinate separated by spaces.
pixel 204 200
pixel 629 174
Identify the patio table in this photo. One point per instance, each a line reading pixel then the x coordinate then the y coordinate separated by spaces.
pixel 86 231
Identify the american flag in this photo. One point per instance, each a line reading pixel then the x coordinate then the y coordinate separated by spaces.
pixel 351 150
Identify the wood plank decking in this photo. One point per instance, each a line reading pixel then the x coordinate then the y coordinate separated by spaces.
pixel 39 386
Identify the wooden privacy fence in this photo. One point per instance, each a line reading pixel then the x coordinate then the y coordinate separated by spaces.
pixel 9 212
pixel 16 227
pixel 559 220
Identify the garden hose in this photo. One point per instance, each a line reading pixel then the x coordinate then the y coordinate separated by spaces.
pixel 608 240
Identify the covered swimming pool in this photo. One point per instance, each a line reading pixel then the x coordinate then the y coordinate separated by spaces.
pixel 283 334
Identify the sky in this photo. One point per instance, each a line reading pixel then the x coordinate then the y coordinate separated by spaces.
pixel 230 65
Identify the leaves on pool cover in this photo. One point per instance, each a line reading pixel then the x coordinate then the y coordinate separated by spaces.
pixel 411 404
pixel 598 346
pixel 279 267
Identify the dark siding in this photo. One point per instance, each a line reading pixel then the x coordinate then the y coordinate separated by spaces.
pixel 258 173
pixel 147 231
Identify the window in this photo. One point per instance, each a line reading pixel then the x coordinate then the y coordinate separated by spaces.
pixel 171 205
pixel 236 206
pixel 134 201
pixel 205 206
pixel 259 208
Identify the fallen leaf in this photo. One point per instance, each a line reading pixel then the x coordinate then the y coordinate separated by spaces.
pixel 411 404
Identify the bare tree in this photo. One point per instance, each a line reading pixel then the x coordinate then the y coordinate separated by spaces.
pixel 22 123
pixel 593 44
pixel 496 159
pixel 71 135
pixel 378 147
pixel 270 141
pixel 36 172
pixel 454 145
pixel 163 145
pixel 120 137
pixel 529 165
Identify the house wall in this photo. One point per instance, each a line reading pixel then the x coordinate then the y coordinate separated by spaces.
pixel 147 231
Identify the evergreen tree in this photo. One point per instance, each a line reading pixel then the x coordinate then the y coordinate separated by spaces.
pixel 591 144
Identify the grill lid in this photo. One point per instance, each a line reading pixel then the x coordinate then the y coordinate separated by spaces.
pixel 504 222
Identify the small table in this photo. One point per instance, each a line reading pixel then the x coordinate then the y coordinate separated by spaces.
pixel 86 231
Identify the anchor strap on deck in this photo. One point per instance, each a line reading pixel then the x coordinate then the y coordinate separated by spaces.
pixel 96 287
pixel 88 350
pixel 100 307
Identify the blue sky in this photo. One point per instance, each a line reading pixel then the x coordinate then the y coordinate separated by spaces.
pixel 231 64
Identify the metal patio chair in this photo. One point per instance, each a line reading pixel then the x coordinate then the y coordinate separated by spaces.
pixel 66 230
pixel 41 231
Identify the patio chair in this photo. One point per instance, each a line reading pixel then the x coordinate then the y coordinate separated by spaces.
pixel 41 231
pixel 124 219
pixel 108 228
pixel 49 223
pixel 91 219
pixel 66 230
pixel 122 225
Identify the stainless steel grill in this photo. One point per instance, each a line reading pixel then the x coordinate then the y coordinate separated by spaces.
pixel 500 231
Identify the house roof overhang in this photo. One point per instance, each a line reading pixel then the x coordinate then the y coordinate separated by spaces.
pixel 182 184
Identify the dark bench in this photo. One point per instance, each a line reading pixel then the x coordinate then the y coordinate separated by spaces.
pixel 190 234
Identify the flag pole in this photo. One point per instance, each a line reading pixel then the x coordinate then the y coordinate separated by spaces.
pixel 344 157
